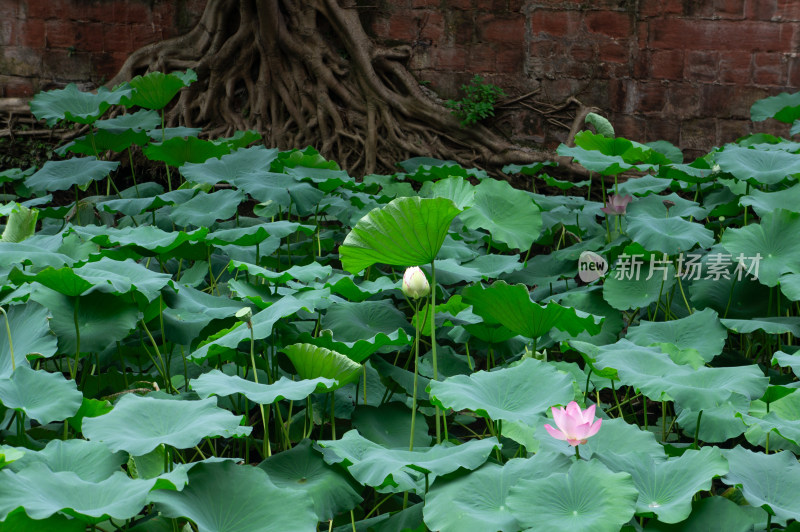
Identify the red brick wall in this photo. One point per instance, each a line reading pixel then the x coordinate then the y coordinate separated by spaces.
pixel 686 71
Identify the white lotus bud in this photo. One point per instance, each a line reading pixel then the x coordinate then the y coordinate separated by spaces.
pixel 415 284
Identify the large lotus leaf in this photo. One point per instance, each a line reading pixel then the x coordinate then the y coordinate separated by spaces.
pixel 766 202
pixel 791 360
pixel 122 277
pixel 281 189
pixel 155 89
pixel 204 209
pixel 190 310
pixel 351 322
pixel 666 487
pixel 142 120
pixel 74 105
pixel 302 469
pixel 509 214
pixel 30 253
pixel 250 236
pixel 711 513
pixel 63 175
pixel 262 323
pixel 596 161
pixel 718 423
pixel 517 393
pixel 698 335
pixel 178 151
pixel 771 480
pixel 659 378
pixel 389 425
pixel 42 493
pixel 144 239
pixel 772 325
pixel 312 362
pixel 91 461
pixel 63 280
pixel 786 428
pixel 587 497
pixel 18 521
pixel 590 300
pixel 784 107
pixel 360 349
pixel 102 319
pixel 134 206
pixel 630 151
pixel 105 139
pixel 406 232
pixel 511 306
pixel 731 295
pixel 222 497
pixel 326 179
pixel 140 424
pixel 305 274
pixel 457 189
pixel 43 396
pixel 217 383
pixel 766 167
pixel 30 335
pixel 668 235
pixel 374 465
pixel 634 284
pixel 476 502
pixel 345 286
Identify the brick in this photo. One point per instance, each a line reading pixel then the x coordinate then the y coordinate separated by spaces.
pixel 730 130
pixel 8 32
pixel 652 8
pixel 502 30
pixel 15 87
pixel 667 64
pixel 734 67
pixel 38 9
pixel 663 129
pixel 701 66
pixel 730 101
pixel 32 33
pixel 629 126
pixel 769 69
pixel 432 27
pixel 510 61
pixel 9 10
pixel 107 64
pixel 609 23
pixel 683 100
pixel 90 37
pixel 793 69
pixel 482 58
pixel 787 10
pixel 402 27
pixel 65 66
pixel 683 34
pixel 651 97
pixel 729 9
pixel 556 23
pixel 698 134
pixel 60 33
pixel 117 38
pixel 19 61
pixel 612 52
pixel 762 9
pixel 450 58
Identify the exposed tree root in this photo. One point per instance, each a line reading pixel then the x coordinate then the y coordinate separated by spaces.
pixel 306 73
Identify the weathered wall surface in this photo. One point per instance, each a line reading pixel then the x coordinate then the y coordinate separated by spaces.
pixel 685 71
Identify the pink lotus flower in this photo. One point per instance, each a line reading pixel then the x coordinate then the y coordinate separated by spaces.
pixel 617 204
pixel 574 425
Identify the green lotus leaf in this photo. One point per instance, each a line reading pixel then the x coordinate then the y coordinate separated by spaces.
pixel 252 502
pixel 42 493
pixel 374 465
pixel 643 186
pixel 139 205
pixel 766 480
pixel 204 209
pixel 63 175
pixel 360 349
pixel 476 502
pixel 511 306
pixel 699 334
pixel 631 152
pixel 457 189
pixel 41 395
pixel 666 487
pixel 517 393
pixel 261 322
pixel 305 274
pixel 217 383
pixel 696 172
pixel 591 302
pixel 351 322
pixel 178 151
pixel 784 107
pixel 345 286
pixel 770 421
pixel 766 167
pixel 659 378
pixel 718 423
pixel 138 425
pixel 596 161
pixel 764 203
pixel 587 497
pixel 156 89
pixel 616 436
pixel 144 239
pixel 389 425
pixel 634 284
pixel 784 359
pixel 302 469
pixel 250 236
pixel 281 189
pixel 312 362
pixel 406 232
pixel 190 310
pixel 325 179
pixel 91 461
pixel 74 105
pixel 227 168
pixel 21 224
pixel 168 133
pixel 711 513
pixel 30 335
pixel 18 521
pixel 105 139
pixel 508 214
pixel 103 319
pixel 772 325
pixel 142 120
pixel 668 235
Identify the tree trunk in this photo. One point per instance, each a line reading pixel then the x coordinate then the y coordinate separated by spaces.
pixel 304 72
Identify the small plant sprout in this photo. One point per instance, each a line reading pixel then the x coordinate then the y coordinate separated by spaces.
pixel 574 425
pixel 415 284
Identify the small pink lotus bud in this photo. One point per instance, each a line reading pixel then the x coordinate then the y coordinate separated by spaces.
pixel 415 284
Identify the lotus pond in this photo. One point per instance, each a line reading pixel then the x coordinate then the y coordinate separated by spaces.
pixel 232 348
